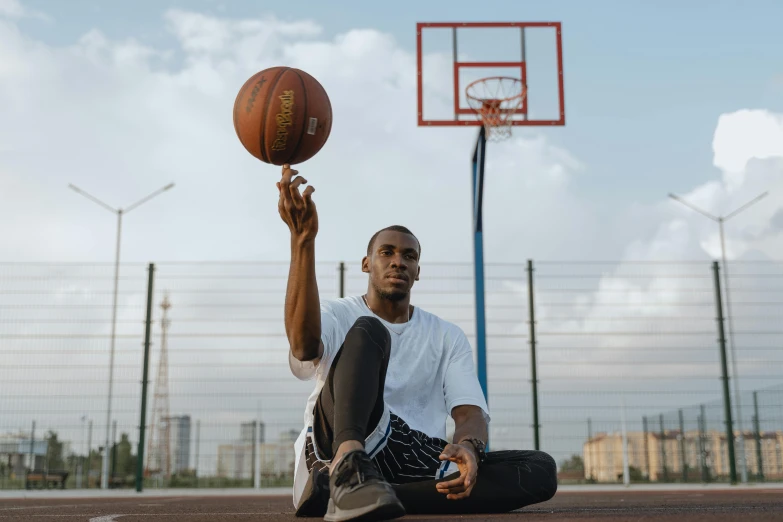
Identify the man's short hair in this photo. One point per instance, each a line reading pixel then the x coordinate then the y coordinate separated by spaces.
pixel 393 228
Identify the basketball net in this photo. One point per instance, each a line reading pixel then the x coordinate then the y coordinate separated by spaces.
pixel 496 100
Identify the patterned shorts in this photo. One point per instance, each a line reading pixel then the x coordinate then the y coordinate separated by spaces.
pixel 403 455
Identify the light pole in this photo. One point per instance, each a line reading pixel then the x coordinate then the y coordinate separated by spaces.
pixel 119 212
pixel 81 459
pixel 720 220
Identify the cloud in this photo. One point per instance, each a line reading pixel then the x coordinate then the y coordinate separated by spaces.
pixel 749 152
pixel 14 10
pixel 746 135
pixel 777 221
pixel 122 118
pixel 644 326
pixel 11 9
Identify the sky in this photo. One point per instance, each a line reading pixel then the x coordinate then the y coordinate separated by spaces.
pixel 145 91
pixel 121 99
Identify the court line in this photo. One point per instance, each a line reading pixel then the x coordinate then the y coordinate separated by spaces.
pixel 120 502
pixel 49 506
pixel 218 514
pixel 642 509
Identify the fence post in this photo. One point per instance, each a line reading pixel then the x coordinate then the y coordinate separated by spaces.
pixel 198 442
pixel 590 445
pixel 725 375
pixel 757 429
pixel 646 447
pixel 89 452
pixel 663 449
pixel 533 365
pixel 113 449
pixel 703 444
pixel 683 457
pixel 253 455
pixel 145 373
pixel 32 452
pixel 342 279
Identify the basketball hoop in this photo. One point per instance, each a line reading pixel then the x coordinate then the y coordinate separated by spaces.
pixel 496 100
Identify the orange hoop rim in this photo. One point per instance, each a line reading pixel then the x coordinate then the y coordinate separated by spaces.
pixel 475 98
pixel 488 105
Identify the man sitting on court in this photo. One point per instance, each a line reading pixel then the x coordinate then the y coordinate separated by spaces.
pixel 388 375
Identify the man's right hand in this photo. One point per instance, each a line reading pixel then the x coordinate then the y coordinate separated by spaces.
pixel 297 210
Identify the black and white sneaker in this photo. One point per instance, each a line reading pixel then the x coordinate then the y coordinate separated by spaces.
pixel 315 495
pixel 358 491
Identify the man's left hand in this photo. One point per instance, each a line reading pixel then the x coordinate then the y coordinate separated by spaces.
pixel 465 458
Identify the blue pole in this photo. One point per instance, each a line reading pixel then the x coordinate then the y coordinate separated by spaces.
pixel 478 259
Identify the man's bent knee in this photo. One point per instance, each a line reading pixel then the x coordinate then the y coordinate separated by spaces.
pixel 549 471
pixel 369 331
pixel 536 483
pixel 509 480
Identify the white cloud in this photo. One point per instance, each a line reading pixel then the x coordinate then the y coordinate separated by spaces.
pixel 745 135
pixel 11 8
pixel 14 10
pixel 119 119
pixel 655 299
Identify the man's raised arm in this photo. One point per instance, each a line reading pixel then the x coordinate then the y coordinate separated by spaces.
pixel 302 306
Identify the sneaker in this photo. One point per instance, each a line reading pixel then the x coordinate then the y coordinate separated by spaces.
pixel 358 490
pixel 315 495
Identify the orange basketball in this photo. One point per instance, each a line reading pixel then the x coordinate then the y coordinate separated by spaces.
pixel 282 115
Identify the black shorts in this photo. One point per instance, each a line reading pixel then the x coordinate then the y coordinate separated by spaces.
pixel 402 454
pixel 408 459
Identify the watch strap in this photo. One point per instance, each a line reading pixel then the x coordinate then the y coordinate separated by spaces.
pixel 479 446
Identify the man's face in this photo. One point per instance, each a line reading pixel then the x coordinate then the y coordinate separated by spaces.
pixel 393 264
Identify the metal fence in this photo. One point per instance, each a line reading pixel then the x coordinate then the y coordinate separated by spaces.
pixel 628 365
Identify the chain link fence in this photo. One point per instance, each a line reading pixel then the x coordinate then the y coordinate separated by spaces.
pixel 629 382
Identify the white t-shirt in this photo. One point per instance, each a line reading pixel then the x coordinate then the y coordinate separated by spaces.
pixel 430 370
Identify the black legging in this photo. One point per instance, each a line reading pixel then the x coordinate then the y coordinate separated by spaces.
pixel 507 480
pixel 350 406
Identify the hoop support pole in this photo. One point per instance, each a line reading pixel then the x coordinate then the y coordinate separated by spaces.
pixel 479 156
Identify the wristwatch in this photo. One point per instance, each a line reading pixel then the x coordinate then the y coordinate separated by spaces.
pixel 480 447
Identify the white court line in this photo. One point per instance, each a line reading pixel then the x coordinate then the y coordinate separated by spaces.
pixel 49 506
pixel 190 515
pixel 15 494
pixel 665 488
pixel 642 509
pixel 120 502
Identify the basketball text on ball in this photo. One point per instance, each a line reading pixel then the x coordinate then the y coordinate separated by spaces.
pixel 282 115
pixel 284 119
pixel 252 99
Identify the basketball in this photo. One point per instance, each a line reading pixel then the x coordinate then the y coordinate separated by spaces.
pixel 282 115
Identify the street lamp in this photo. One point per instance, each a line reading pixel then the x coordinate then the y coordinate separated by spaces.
pixel 720 220
pixel 81 459
pixel 119 212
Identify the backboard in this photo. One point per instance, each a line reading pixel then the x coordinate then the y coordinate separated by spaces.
pixel 451 55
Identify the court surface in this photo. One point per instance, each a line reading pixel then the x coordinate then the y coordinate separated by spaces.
pixel 760 503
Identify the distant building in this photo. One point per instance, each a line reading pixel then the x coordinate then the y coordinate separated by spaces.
pixel 674 455
pixel 180 443
pixel 15 453
pixel 247 431
pixel 236 461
